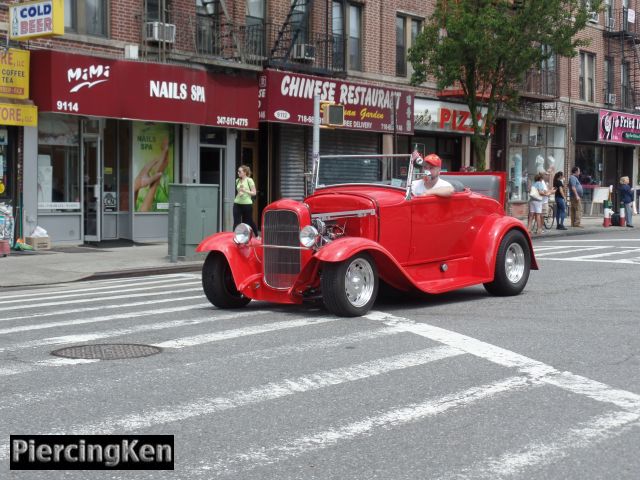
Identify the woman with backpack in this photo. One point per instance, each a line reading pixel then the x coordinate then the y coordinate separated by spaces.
pixel 243 203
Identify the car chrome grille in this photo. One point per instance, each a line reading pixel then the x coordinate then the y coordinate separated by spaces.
pixel 281 265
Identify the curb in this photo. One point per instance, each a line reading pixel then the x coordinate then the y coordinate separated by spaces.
pixel 141 272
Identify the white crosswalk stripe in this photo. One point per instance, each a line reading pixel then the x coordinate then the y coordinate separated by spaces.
pixel 198 340
pixel 614 251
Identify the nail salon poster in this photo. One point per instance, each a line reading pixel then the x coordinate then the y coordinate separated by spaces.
pixel 152 150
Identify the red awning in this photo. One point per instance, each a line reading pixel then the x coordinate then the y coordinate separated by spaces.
pixel 82 85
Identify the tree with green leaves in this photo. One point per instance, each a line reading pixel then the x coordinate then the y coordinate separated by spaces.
pixel 486 47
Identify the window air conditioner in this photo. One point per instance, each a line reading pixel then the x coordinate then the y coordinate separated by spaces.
pixel 594 17
pixel 160 32
pixel 611 98
pixel 304 52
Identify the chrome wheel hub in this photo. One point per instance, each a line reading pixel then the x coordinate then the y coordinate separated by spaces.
pixel 514 262
pixel 359 282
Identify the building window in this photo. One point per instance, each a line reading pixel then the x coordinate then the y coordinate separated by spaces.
pixel 405 41
pixel 627 98
pixel 355 37
pixel 255 30
pixel 587 76
pixel 337 30
pixel 346 27
pixel 86 17
pixel 608 79
pixel 298 21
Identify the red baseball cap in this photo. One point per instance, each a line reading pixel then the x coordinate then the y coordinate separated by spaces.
pixel 433 159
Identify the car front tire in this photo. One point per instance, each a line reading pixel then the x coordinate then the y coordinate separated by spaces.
pixel 350 288
pixel 513 265
pixel 218 283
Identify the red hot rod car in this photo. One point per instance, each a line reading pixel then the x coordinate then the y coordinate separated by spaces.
pixel 362 226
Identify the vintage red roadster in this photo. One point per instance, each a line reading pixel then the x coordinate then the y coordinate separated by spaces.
pixel 362 226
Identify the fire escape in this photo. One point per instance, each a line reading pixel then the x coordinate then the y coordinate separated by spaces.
pixel 623 44
pixel 298 47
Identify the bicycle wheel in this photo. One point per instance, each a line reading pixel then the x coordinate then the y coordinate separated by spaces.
pixel 550 217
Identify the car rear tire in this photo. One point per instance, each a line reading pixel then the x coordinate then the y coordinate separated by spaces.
pixel 350 288
pixel 218 283
pixel 513 265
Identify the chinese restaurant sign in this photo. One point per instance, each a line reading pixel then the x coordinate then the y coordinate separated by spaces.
pixel 288 98
pixel 14 73
pixel 36 19
pixel 94 86
pixel 618 127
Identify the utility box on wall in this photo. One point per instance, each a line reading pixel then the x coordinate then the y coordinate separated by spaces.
pixel 196 217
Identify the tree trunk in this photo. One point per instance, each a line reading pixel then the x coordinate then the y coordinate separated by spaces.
pixel 479 143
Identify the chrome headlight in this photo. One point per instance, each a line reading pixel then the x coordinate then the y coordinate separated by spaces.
pixel 308 236
pixel 242 234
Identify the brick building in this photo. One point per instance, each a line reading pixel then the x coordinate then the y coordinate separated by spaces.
pixel 139 94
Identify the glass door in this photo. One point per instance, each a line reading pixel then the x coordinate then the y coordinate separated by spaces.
pixel 92 181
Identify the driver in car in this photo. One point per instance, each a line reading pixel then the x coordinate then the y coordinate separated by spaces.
pixel 431 183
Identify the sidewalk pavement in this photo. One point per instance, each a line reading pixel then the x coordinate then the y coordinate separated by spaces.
pixel 68 264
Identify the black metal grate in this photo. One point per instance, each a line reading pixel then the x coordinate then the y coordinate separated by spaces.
pixel 281 265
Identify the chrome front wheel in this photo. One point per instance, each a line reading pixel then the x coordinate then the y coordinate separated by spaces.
pixel 350 288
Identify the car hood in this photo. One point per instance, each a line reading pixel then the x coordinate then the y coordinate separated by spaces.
pixel 354 197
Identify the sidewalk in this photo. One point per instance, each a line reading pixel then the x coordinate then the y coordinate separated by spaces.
pixel 68 264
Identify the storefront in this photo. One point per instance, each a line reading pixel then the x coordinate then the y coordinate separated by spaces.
pixel 16 113
pixel 444 128
pixel 605 150
pixel 113 135
pixel 532 149
pixel 286 105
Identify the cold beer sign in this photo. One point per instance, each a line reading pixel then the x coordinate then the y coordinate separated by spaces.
pixel 36 19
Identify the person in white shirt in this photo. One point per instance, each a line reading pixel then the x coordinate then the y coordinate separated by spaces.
pixel 432 184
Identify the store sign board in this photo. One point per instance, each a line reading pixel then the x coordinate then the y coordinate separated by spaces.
pixel 36 19
pixel 14 73
pixel 18 115
pixel 432 115
pixel 82 85
pixel 618 127
pixel 287 97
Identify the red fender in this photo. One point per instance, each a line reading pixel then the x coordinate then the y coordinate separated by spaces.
pixel 493 230
pixel 243 261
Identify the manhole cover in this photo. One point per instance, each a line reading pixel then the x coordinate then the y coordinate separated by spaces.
pixel 107 351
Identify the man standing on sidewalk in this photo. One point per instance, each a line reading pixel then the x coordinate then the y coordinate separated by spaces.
pixel 575 194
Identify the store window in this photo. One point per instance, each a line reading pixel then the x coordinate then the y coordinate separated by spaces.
pixel 533 149
pixel 6 170
pixel 58 164
pixel 86 17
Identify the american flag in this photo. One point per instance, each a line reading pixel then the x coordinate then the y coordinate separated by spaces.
pixel 415 155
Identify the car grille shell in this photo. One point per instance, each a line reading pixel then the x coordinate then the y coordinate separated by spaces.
pixel 282 253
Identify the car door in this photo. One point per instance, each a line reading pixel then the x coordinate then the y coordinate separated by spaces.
pixel 441 228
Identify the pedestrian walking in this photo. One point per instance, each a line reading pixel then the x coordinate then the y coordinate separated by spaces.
pixel 536 193
pixel 626 197
pixel 243 203
pixel 561 200
pixel 575 198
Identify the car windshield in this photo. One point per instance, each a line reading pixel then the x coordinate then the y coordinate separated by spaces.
pixel 392 170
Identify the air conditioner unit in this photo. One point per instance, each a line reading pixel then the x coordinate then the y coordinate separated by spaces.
pixel 160 32
pixel 610 98
pixel 304 52
pixel 594 17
